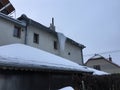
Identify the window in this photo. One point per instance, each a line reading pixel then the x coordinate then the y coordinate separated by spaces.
pixel 36 38
pixel 17 32
pixel 55 45
pixel 68 53
pixel 97 67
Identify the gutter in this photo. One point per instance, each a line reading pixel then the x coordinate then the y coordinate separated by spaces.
pixel 32 67
pixel 26 34
pixel 12 20
pixel 75 43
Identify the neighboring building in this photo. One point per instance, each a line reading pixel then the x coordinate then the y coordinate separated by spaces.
pixel 101 63
pixel 27 31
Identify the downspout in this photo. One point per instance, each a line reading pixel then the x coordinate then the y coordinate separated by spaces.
pixel 26 31
pixel 25 19
pixel 82 56
pixel 26 34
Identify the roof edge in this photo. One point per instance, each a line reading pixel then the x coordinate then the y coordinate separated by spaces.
pixel 6 17
pixel 76 43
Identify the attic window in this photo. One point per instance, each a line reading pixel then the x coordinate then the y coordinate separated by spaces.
pixel 97 67
pixel 55 45
pixel 36 38
pixel 17 32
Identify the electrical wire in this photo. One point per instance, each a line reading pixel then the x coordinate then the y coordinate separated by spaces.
pixel 107 52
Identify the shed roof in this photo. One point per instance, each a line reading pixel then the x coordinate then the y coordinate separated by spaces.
pixel 23 57
pixel 26 57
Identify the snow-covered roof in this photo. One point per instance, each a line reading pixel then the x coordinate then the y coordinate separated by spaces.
pixel 96 56
pixel 97 72
pixel 19 55
pixel 23 56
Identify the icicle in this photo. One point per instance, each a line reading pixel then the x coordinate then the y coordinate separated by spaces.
pixel 61 39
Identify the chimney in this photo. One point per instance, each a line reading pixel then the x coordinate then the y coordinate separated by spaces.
pixel 110 58
pixel 52 27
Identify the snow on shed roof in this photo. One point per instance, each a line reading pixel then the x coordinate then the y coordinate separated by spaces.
pixel 19 55
pixel 97 72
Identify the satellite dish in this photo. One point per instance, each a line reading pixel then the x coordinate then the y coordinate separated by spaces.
pixel 6 7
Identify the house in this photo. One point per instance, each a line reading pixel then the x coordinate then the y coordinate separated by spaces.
pixel 27 31
pixel 26 68
pixel 101 63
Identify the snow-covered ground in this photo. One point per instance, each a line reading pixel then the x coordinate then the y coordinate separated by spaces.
pixel 67 88
pixel 20 55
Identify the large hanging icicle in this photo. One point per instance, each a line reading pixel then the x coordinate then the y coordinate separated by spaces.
pixel 61 40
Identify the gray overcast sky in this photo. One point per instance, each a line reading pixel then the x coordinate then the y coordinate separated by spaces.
pixel 93 23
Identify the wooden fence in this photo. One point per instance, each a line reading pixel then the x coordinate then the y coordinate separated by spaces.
pixel 105 82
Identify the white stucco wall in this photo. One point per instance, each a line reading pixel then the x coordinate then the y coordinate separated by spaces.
pixel 46 41
pixel 6 33
pixel 75 53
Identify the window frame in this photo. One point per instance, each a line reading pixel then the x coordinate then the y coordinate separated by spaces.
pixel 36 38
pixel 17 32
pixel 97 67
pixel 55 45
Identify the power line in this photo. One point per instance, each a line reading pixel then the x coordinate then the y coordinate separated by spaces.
pixel 107 52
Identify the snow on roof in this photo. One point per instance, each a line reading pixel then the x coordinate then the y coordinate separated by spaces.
pixel 96 56
pixel 20 55
pixel 67 88
pixel 97 72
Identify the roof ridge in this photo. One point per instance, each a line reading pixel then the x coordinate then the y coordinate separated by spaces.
pixel 96 56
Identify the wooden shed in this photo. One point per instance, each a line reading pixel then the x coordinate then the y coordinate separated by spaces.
pixel 26 68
